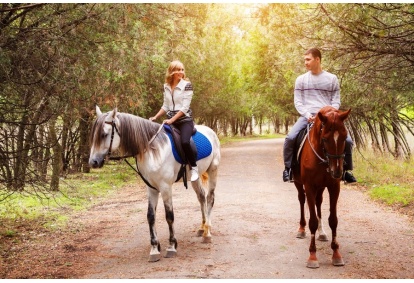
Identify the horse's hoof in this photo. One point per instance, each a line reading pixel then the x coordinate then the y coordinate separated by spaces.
pixel 200 232
pixel 323 238
pixel 312 264
pixel 154 257
pixel 338 261
pixel 171 253
pixel 301 235
pixel 207 240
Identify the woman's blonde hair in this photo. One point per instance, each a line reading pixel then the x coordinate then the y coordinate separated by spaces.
pixel 172 69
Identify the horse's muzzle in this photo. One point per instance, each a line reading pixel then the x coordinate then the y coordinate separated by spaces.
pixel 336 174
pixel 96 162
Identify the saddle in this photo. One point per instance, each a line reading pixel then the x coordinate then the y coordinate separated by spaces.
pixel 200 145
pixel 175 137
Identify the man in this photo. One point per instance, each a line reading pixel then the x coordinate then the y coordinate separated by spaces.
pixel 314 90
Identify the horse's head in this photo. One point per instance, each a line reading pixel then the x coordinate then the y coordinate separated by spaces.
pixel 332 137
pixel 105 137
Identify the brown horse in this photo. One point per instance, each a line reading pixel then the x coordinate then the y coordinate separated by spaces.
pixel 321 166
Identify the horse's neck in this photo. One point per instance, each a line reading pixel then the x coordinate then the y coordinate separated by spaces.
pixel 158 155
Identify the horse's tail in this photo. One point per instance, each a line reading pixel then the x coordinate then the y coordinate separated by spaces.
pixel 204 178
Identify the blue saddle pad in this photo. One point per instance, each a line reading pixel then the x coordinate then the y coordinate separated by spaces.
pixel 202 144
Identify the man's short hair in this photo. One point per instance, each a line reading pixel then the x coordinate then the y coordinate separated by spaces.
pixel 315 53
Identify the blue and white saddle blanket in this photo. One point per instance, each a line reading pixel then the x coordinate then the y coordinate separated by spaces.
pixel 202 145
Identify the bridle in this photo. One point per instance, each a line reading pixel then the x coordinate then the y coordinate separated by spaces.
pixel 108 155
pixel 114 127
pixel 327 154
pixel 331 156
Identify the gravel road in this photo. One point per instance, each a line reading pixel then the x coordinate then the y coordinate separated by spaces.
pixel 255 219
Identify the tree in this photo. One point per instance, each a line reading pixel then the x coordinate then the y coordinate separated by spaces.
pixel 58 60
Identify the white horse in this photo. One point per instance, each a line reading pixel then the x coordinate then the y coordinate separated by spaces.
pixel 150 145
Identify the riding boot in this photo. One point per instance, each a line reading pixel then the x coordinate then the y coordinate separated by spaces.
pixel 286 175
pixel 348 165
pixel 191 160
pixel 348 177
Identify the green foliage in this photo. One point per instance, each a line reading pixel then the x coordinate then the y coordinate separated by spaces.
pixel 78 192
pixel 394 194
pixel 387 179
pixel 408 112
pixel 58 60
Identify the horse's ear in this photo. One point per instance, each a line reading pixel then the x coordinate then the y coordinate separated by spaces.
pixel 321 117
pixel 114 112
pixel 344 115
pixel 98 111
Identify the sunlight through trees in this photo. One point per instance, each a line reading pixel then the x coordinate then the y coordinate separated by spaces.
pixel 58 60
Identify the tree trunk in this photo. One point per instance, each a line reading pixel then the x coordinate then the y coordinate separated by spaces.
pixel 56 157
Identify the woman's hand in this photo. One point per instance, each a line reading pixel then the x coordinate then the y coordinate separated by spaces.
pixel 168 121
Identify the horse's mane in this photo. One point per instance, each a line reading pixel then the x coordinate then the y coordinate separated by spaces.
pixel 135 132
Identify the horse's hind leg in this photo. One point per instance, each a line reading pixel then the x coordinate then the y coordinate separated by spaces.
pixel 321 230
pixel 212 182
pixel 302 222
pixel 151 213
pixel 333 223
pixel 201 196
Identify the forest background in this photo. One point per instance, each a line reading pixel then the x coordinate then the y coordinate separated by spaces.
pixel 57 61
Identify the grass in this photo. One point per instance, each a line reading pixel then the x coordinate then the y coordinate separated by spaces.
pixel 77 192
pixel 393 194
pixel 386 179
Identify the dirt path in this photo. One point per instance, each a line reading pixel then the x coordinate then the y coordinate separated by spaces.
pixel 255 220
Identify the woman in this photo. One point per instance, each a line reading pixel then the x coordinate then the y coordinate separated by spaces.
pixel 178 93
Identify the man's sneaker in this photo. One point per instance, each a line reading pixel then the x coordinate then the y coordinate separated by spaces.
pixel 194 174
pixel 348 177
pixel 286 175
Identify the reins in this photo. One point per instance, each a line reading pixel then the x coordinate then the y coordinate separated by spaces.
pixel 156 134
pixel 108 156
pixel 314 151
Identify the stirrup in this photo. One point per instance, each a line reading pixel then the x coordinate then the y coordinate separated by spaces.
pixel 348 177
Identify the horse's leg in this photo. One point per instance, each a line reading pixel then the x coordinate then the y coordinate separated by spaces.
pixel 313 226
pixel 333 223
pixel 302 199
pixel 319 199
pixel 169 216
pixel 201 196
pixel 151 213
pixel 212 182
